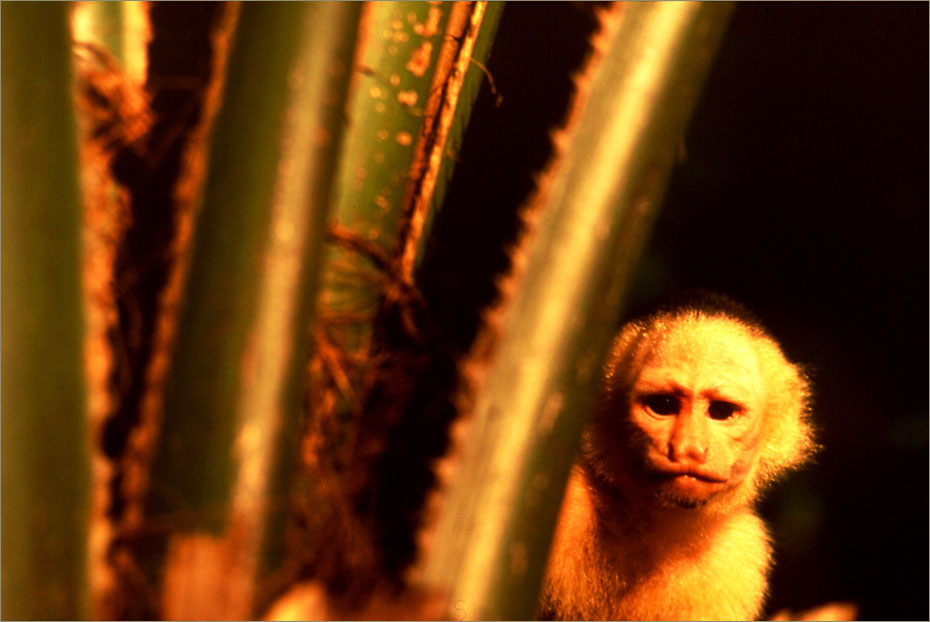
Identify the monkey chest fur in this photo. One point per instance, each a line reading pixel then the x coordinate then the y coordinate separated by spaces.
pixel 649 572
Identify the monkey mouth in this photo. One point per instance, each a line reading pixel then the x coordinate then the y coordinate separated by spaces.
pixel 687 487
pixel 686 474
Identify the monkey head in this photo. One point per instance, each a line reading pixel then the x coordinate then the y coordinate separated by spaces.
pixel 700 409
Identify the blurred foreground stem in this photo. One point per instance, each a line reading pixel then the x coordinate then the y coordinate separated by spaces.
pixel 45 453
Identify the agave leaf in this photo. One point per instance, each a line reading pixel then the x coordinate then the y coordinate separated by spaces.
pixel 45 454
pixel 414 60
pixel 113 113
pixel 493 533
pixel 396 64
pixel 116 27
pixel 232 397
pixel 417 82
pixel 101 23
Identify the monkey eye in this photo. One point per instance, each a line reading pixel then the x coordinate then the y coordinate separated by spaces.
pixel 662 404
pixel 720 409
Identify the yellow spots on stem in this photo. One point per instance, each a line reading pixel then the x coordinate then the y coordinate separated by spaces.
pixel 376 92
pixel 383 134
pixel 380 107
pixel 394 80
pixel 432 23
pixel 420 59
pixel 358 179
pixel 403 138
pixel 382 202
pixel 407 98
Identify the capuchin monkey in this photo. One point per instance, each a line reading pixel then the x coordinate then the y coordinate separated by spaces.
pixel 699 411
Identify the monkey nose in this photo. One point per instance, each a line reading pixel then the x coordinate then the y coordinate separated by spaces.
pixel 688 442
pixel 687 453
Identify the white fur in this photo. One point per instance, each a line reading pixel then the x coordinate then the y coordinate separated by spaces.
pixel 609 563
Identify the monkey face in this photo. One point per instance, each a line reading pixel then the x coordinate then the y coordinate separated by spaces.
pixel 695 409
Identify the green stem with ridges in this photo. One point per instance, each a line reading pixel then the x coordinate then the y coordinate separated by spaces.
pixel 232 398
pixel 45 453
pixel 103 24
pixel 386 116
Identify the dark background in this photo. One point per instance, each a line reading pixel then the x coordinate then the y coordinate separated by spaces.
pixel 804 195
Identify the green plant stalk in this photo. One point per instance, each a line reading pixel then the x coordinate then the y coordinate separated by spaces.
pixel 411 64
pixel 473 79
pixel 494 530
pixel 45 453
pixel 386 115
pixel 110 45
pixel 232 397
pixel 411 99
pixel 412 59
pixel 117 27
pixel 103 24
